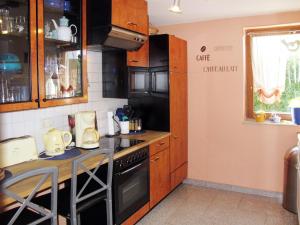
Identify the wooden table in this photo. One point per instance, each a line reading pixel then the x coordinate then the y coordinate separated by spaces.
pixel 24 188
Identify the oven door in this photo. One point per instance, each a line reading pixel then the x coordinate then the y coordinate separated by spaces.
pixel 131 190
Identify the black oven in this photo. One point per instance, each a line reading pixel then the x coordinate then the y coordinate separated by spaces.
pixel 130 184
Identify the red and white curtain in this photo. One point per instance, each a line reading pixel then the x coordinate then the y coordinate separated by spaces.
pixel 269 61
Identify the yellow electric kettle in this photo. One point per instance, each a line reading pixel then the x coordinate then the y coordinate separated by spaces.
pixel 56 141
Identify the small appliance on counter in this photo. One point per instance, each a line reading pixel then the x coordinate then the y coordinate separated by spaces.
pixel 110 124
pixel 17 150
pixel 86 132
pixel 56 141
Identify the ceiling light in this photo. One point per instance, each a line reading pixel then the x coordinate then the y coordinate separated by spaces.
pixel 175 7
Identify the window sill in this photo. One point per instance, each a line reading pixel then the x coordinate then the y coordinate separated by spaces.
pixel 268 122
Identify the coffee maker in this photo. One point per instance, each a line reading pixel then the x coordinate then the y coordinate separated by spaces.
pixel 86 132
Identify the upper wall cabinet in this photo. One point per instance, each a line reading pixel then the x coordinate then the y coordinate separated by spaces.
pixel 62 52
pixel 139 58
pixel 131 15
pixel 42 56
pixel 18 67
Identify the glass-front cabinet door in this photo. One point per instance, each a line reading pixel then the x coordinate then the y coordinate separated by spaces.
pixel 62 52
pixel 18 67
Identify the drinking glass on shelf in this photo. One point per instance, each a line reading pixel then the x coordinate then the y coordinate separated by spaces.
pixel 47 30
pixel 3 90
pixel 11 25
pixel 4 22
pixel 20 23
pixel 24 93
pixel 10 96
pixel 15 95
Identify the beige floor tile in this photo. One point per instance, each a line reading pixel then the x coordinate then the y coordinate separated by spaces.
pixel 265 204
pixel 282 220
pixel 190 205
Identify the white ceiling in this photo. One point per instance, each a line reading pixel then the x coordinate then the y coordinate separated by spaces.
pixel 200 10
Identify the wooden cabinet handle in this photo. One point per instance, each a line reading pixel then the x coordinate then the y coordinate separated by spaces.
pixel 175 137
pixel 132 24
pixel 44 100
pixel 134 60
pixel 154 160
pixel 161 143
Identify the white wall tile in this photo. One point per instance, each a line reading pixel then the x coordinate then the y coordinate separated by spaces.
pixel 5 118
pixel 31 122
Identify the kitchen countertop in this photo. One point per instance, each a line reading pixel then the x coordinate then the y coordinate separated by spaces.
pixel 25 187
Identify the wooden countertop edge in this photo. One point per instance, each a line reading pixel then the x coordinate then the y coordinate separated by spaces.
pixel 65 165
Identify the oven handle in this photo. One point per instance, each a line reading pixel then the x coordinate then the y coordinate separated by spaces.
pixel 130 169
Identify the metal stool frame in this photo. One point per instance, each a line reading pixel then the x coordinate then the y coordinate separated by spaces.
pixel 26 202
pixel 76 197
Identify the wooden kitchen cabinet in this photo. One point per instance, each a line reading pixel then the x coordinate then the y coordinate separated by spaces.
pixel 18 53
pixel 141 17
pixel 37 67
pixel 62 57
pixel 177 55
pixel 178 110
pixel 131 15
pixel 139 58
pixel 159 172
pixel 170 51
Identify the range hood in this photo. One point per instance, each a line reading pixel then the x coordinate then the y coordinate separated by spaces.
pixel 114 37
pixel 103 34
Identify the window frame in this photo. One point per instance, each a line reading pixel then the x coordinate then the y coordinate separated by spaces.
pixel 268 30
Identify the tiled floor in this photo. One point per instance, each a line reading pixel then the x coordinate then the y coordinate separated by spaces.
pixel 190 205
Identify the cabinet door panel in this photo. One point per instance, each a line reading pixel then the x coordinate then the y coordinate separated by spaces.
pixel 139 58
pixel 159 176
pixel 121 10
pixel 142 22
pixel 18 66
pixel 178 176
pixel 178 102
pixel 178 55
pixel 62 56
pixel 178 118
pixel 131 15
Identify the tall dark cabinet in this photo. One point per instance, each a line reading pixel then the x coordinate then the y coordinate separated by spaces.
pixel 164 106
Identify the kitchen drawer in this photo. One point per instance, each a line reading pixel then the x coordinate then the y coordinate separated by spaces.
pixel 178 176
pixel 159 145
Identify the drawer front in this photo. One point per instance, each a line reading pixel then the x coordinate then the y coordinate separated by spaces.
pixel 178 176
pixel 159 145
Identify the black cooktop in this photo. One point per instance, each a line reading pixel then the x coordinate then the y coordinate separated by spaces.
pixel 118 143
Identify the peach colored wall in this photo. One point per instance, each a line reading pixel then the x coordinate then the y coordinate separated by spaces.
pixel 222 147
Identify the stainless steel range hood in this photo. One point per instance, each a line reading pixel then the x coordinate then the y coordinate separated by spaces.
pixel 103 33
pixel 114 37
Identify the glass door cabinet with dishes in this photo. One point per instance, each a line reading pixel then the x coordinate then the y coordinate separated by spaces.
pixel 42 53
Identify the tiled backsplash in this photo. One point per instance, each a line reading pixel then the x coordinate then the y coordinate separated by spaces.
pixel 32 122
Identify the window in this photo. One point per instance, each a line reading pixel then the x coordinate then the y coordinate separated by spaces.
pixel 272 69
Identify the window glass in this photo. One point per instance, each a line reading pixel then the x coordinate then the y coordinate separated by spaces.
pixel 275 61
